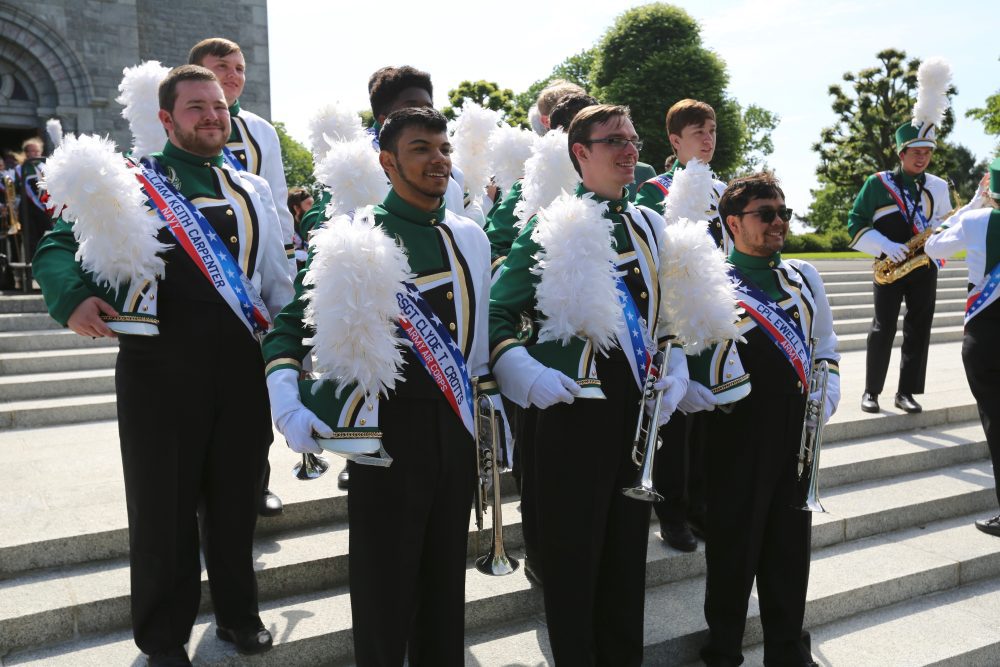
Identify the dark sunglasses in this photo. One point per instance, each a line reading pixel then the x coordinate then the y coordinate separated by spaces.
pixel 617 142
pixel 767 214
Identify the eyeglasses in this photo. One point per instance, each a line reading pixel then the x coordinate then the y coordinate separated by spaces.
pixel 617 142
pixel 767 214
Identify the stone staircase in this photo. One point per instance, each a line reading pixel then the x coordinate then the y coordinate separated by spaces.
pixel 899 575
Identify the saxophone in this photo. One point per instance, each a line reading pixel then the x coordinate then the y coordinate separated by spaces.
pixel 11 225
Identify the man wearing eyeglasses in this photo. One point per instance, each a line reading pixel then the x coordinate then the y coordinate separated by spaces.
pixel 752 531
pixel 591 537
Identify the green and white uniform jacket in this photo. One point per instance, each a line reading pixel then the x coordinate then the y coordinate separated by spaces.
pixel 653 193
pixel 874 208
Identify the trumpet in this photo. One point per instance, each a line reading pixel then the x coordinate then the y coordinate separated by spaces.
pixel 310 467
pixel 807 460
pixel 488 463
pixel 647 438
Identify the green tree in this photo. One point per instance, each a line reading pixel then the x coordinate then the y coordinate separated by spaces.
pixel 652 57
pixel 758 124
pixel 989 115
pixel 575 69
pixel 297 161
pixel 485 93
pixel 862 140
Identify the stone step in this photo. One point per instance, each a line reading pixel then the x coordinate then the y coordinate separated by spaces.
pixel 863 272
pixel 865 297
pixel 867 310
pixel 939 334
pixel 953 628
pixel 26 321
pixel 50 339
pixel 13 302
pixel 56 385
pixel 57 361
pixel 846 580
pixel 843 327
pixel 842 286
pixel 34 413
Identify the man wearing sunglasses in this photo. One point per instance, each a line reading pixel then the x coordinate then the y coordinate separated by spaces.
pixel 593 557
pixel 691 130
pixel 752 531
pixel 892 208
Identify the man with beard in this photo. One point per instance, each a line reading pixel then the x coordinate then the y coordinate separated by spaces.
pixel 205 465
pixel 409 521
pixel 253 146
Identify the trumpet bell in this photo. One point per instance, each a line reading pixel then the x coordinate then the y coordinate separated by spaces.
pixel 643 491
pixel 310 467
pixel 497 565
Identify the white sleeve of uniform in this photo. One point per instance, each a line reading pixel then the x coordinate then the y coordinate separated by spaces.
pixel 822 330
pixel 272 170
pixel 942 199
pixel 272 265
pixel 947 239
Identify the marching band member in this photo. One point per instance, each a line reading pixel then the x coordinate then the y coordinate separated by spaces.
pixel 751 528
pixel 975 231
pixel 207 463
pixel 408 521
pixel 593 557
pixel 892 208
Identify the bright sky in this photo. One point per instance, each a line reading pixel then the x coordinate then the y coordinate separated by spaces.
pixel 780 54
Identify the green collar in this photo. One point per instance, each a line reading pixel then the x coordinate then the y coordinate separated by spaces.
pixel 395 205
pixel 676 166
pixel 911 180
pixel 234 110
pixel 172 152
pixel 614 205
pixel 377 126
pixel 752 262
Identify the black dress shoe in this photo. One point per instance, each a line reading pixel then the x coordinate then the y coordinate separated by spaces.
pixel 906 403
pixel 343 478
pixel 991 526
pixel 270 504
pixel 678 535
pixel 532 573
pixel 869 402
pixel 175 657
pixel 248 642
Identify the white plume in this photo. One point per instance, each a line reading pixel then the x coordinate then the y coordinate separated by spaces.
pixel 577 293
pixel 103 200
pixel 470 139
pixel 53 127
pixel 690 191
pixel 933 80
pixel 351 172
pixel 535 118
pixel 547 173
pixel 140 96
pixel 697 296
pixel 353 278
pixel 330 124
pixel 510 148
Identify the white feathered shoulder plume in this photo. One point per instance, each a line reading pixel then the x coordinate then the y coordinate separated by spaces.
pixel 355 311
pixel 352 174
pixel 333 123
pixel 140 96
pixel 933 81
pixel 103 200
pixel 577 257
pixel 690 192
pixel 510 148
pixel 53 127
pixel 535 119
pixel 547 173
pixel 471 138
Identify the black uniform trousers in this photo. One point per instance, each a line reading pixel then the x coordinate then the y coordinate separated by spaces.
pixel 752 530
pixel 679 472
pixel 523 421
pixel 409 528
pixel 982 368
pixel 919 290
pixel 194 425
pixel 591 537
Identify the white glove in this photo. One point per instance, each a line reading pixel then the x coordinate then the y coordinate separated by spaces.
pixel 674 384
pixel 698 398
pixel 294 420
pixel 894 251
pixel 552 387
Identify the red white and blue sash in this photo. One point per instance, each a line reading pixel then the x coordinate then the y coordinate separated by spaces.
pixel 772 319
pixel 198 239
pixel 438 352
pixel 983 294
pixel 912 212
pixel 663 182
pixel 633 338
pixel 232 160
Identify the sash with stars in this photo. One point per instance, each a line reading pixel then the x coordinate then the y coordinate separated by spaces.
pixel 198 239
pixel 772 319
pixel 633 336
pixel 438 352
pixel 232 160
pixel 912 212
pixel 983 294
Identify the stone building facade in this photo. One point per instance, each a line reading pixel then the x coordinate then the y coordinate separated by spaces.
pixel 64 58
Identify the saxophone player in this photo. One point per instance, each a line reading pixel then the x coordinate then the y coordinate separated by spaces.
pixel 892 208
pixel 752 530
